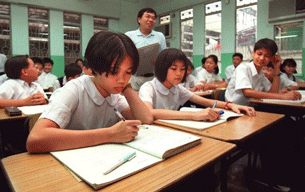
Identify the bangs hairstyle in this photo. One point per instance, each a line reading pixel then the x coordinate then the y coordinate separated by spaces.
pixel 267 44
pixel 164 61
pixel 106 47
pixel 289 62
pixel 215 59
pixel 14 65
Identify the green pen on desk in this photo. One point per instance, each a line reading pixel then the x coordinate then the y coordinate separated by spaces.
pixel 128 157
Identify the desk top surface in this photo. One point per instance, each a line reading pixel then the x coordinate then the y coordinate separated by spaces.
pixel 239 129
pixel 42 172
pixel 6 117
pixel 261 102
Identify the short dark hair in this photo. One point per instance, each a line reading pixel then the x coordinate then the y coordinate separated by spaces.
pixel 215 59
pixel 37 60
pixel 289 62
pixel 189 63
pixel 270 65
pixel 267 44
pixel 148 10
pixel 85 64
pixel 203 60
pixel 47 60
pixel 105 47
pixel 164 61
pixel 14 65
pixel 238 55
pixel 72 69
pixel 79 60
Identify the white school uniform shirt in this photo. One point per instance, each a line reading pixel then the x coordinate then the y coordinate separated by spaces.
pixel 190 82
pixel 79 106
pixel 207 77
pixel 195 72
pixel 46 80
pixel 246 76
pixel 285 82
pixel 19 89
pixel 163 98
pixel 291 77
pixel 229 72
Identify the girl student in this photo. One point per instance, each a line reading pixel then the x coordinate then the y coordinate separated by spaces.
pixel 82 114
pixel 288 68
pixel 191 83
pixel 164 95
pixel 208 76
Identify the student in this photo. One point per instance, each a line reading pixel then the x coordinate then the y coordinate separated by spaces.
pixel 289 68
pixel 164 94
pixel 248 81
pixel 144 36
pixel 3 59
pixel 191 83
pixel 208 76
pixel 72 71
pixel 285 83
pixel 47 79
pixel 237 59
pixel 38 63
pixel 86 69
pixel 82 114
pixel 196 71
pixel 20 89
pixel 79 62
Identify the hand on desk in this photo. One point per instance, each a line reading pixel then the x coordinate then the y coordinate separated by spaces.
pixel 125 131
pixel 207 114
pixel 240 108
pixel 292 95
pixel 35 99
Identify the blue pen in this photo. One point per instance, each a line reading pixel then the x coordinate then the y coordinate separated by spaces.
pixel 121 162
pixel 221 112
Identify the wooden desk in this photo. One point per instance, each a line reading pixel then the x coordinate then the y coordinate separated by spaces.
pixel 296 110
pixel 5 117
pixel 207 94
pixel 42 172
pixel 240 129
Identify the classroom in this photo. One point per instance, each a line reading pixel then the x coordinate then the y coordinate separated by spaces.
pixel 62 32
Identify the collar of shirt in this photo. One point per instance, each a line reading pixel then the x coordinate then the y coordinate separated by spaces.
pixel 164 90
pixel 25 84
pixel 253 69
pixel 93 93
pixel 139 33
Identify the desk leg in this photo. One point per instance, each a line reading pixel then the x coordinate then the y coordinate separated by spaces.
pixel 223 175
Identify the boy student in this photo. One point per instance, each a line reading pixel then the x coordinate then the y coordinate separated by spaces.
pixel 144 36
pixel 285 83
pixel 72 71
pixel 248 81
pixel 82 113
pixel 47 79
pixel 21 89
pixel 237 59
pixel 38 63
pixel 164 95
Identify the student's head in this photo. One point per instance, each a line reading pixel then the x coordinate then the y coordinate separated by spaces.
pixel 211 64
pixel 38 64
pixel 170 67
pixel 263 53
pixel 79 62
pixel 237 58
pixel 268 71
pixel 203 61
pixel 113 58
pixel 289 66
pixel 21 67
pixel 72 71
pixel 147 18
pixel 86 69
pixel 190 67
pixel 48 64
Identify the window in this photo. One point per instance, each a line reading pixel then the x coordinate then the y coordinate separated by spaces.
pixel 71 37
pixel 5 42
pixel 38 32
pixel 213 29
pixel 289 39
pixel 165 19
pixel 100 24
pixel 246 25
pixel 186 44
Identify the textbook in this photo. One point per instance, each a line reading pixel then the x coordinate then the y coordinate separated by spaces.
pixel 147 58
pixel 31 110
pixel 199 125
pixel 152 145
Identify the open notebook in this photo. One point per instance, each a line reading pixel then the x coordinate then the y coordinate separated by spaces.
pixel 31 110
pixel 301 101
pixel 152 145
pixel 200 125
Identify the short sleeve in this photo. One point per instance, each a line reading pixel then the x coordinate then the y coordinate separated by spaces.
pixel 146 92
pixel 243 80
pixel 184 94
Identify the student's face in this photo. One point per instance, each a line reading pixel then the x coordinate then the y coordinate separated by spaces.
pixel 236 61
pixel 30 73
pixel 289 69
pixel 210 65
pixel 268 72
pixel 80 63
pixel 114 84
pixel 87 71
pixel 147 21
pixel 261 58
pixel 175 74
pixel 47 67
pixel 189 70
pixel 39 68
